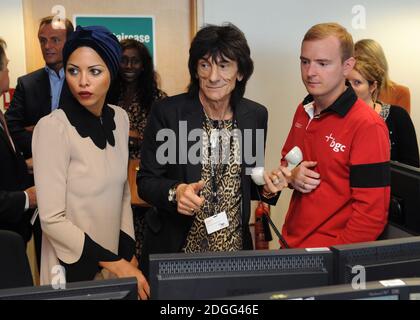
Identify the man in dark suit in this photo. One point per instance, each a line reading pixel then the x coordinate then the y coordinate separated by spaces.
pixel 42 91
pixel 16 195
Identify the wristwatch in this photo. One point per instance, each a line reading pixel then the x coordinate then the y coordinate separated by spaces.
pixel 172 194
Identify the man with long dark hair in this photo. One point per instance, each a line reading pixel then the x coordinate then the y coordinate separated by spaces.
pixel 195 168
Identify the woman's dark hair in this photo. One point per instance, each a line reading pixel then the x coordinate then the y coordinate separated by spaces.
pixel 147 87
pixel 221 41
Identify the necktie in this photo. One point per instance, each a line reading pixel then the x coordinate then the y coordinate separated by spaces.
pixel 4 126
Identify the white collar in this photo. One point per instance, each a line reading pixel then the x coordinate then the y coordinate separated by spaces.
pixel 310 109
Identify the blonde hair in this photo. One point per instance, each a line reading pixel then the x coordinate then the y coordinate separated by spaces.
pixel 372 51
pixel 372 72
pixel 324 30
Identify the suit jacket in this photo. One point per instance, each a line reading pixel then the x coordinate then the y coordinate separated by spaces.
pixel 13 180
pixel 31 101
pixel 167 229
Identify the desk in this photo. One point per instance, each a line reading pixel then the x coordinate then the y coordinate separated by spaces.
pixel 133 168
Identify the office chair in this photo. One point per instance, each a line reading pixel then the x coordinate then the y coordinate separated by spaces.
pixel 14 265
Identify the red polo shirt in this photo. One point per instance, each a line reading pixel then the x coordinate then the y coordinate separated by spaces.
pixel 350 142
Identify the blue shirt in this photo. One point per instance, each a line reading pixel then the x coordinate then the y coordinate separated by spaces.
pixel 56 83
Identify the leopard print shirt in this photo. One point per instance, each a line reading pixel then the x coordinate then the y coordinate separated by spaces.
pixel 229 196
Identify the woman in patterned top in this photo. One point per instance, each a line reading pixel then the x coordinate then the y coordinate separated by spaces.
pixel 135 91
pixel 367 80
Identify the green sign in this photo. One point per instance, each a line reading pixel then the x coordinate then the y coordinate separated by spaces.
pixel 140 28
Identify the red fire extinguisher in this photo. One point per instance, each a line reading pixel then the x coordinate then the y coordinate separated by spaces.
pixel 262 228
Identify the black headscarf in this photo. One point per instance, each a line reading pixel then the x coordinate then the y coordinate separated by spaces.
pixel 100 39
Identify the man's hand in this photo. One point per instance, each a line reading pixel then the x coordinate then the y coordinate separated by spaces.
pixel 304 179
pixel 31 192
pixel 276 181
pixel 188 199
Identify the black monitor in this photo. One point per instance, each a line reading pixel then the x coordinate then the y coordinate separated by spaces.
pixel 405 197
pixel 396 289
pixel 113 289
pixel 213 275
pixel 381 260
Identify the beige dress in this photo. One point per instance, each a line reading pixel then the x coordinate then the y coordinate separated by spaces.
pixel 81 189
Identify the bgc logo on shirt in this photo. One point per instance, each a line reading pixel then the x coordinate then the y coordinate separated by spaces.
pixel 333 144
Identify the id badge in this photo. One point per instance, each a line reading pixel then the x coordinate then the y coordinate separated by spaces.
pixel 216 222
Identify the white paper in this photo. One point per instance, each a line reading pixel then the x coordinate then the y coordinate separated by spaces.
pixel 392 283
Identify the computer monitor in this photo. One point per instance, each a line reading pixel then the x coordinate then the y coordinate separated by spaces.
pixel 397 289
pixel 113 289
pixel 221 274
pixel 405 197
pixel 381 260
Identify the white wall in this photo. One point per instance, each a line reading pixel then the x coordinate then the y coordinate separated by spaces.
pixel 275 28
pixel 11 30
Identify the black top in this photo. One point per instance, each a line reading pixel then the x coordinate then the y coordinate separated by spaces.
pixel 402 135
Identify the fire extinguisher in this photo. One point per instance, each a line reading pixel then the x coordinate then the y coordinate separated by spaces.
pixel 262 227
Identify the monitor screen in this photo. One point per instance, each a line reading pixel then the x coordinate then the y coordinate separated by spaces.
pixel 377 260
pixel 222 274
pixel 114 289
pixel 396 289
pixel 372 291
pixel 405 197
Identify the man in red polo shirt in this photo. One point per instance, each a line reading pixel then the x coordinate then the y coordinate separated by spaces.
pixel 342 188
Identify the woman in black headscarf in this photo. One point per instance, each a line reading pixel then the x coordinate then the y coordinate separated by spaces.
pixel 80 155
